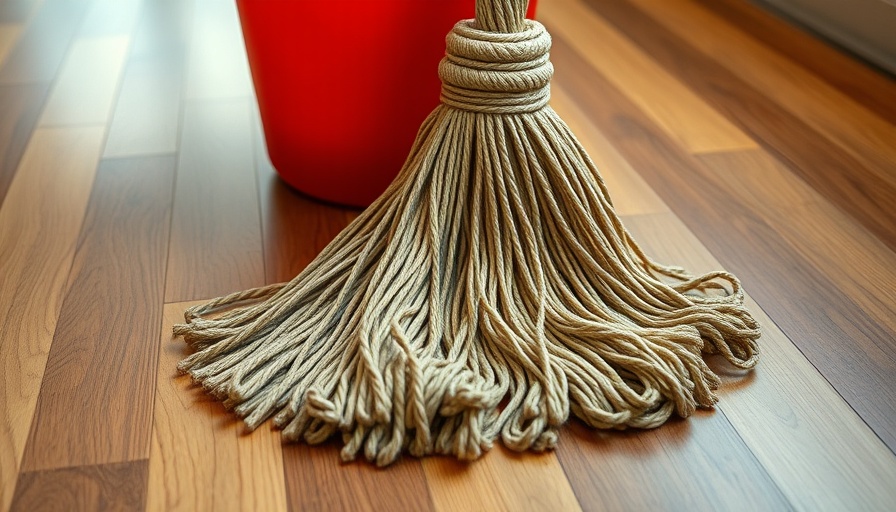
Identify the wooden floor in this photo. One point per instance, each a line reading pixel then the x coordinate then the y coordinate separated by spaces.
pixel 134 181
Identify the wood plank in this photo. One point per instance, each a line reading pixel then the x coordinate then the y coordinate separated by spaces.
pixel 317 480
pixel 835 173
pixel 201 458
pixel 20 106
pixel 863 83
pixel 85 91
pixel 116 487
pixel 671 105
pixel 39 224
pixel 216 245
pixel 850 348
pixel 629 192
pixel 783 409
pixel 148 112
pixel 42 46
pixel 858 264
pixel 100 368
pixel 683 465
pixel 217 64
pixel 500 480
pixel 9 35
pixel 791 87
pixel 147 115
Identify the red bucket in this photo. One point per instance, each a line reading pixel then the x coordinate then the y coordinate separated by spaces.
pixel 343 86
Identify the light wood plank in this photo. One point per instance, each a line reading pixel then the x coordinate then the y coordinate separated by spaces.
pixel 119 487
pixel 500 480
pixel 39 224
pixel 216 245
pixel 101 369
pixel 147 115
pixel 217 64
pixel 9 35
pixel 629 192
pixel 821 454
pixel 20 106
pixel 672 106
pixel 85 90
pixel 792 87
pixel 201 458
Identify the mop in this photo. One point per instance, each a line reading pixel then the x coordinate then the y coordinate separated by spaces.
pixel 490 291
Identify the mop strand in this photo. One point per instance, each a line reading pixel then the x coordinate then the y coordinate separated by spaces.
pixel 489 292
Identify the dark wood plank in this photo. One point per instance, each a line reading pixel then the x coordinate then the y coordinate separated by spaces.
pixel 866 85
pixel 683 465
pixel 853 351
pixel 95 404
pixel 296 228
pixel 20 106
pixel 857 187
pixel 111 487
pixel 216 243
pixel 317 480
pixel 41 48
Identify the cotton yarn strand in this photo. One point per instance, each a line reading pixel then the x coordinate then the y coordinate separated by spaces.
pixel 488 293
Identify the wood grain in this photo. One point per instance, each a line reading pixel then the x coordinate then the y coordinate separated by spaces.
pixel 858 264
pixel 783 409
pixel 101 367
pixel 841 70
pixel 837 174
pixel 201 458
pixel 317 480
pixel 630 193
pixel 218 67
pixel 850 349
pixel 500 480
pixel 676 109
pixel 85 91
pixel 786 84
pixel 113 487
pixel 42 46
pixel 34 266
pixel 683 465
pixel 216 245
pixel 20 106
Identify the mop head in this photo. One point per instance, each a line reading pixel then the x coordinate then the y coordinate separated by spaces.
pixel 489 292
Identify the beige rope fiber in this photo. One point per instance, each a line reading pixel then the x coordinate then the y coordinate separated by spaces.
pixel 489 292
